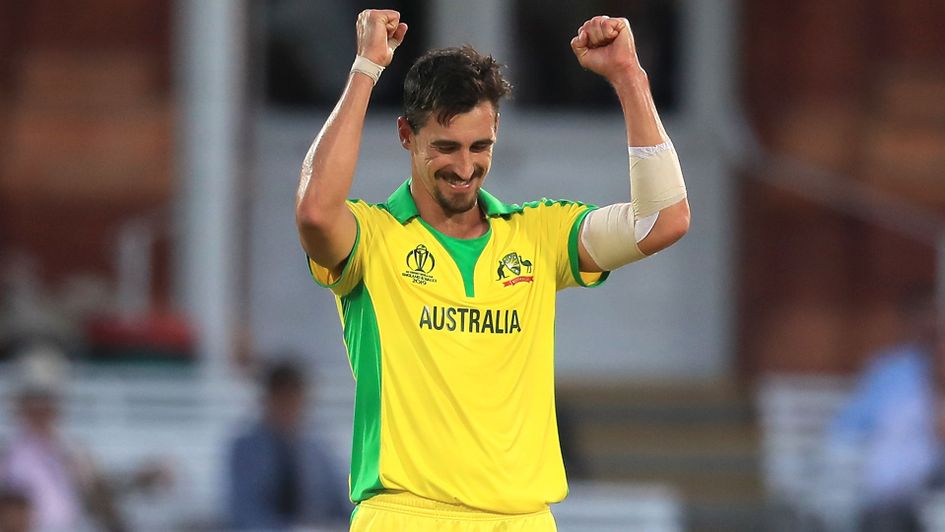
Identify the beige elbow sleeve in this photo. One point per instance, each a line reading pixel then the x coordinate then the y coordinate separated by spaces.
pixel 656 179
pixel 608 236
pixel 611 234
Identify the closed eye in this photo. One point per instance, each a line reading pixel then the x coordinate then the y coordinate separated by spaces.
pixel 445 147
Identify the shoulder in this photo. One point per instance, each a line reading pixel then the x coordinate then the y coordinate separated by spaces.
pixel 10 447
pixel 250 435
pixel 4 454
pixel 556 209
pixel 545 209
pixel 315 449
pixel 318 454
pixel 557 218
pixel 370 213
pixel 359 206
pixel 901 360
pixel 547 204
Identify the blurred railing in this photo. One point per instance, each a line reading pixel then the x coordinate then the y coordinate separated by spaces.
pixel 133 415
pixel 814 484
pixel 618 507
pixel 809 486
pixel 129 416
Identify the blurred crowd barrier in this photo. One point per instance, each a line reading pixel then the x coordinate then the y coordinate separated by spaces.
pixel 812 483
pixel 130 417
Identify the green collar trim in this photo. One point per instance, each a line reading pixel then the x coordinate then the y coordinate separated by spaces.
pixel 400 203
pixel 402 207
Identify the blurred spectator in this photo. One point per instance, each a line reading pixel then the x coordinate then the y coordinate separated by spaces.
pixel 891 421
pixel 63 487
pixel 14 510
pixel 280 477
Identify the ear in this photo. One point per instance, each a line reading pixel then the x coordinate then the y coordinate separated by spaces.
pixel 404 132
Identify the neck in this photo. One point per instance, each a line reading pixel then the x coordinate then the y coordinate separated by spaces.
pixel 281 426
pixel 468 224
pixel 43 432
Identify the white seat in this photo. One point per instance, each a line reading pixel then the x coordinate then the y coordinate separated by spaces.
pixel 802 475
pixel 619 507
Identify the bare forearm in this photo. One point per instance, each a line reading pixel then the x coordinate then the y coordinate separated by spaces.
pixel 639 111
pixel 329 165
pixel 658 213
pixel 327 228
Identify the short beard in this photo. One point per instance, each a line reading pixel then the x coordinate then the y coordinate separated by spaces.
pixel 460 204
pixel 455 205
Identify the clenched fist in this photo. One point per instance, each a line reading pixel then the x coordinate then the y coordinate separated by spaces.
pixel 605 46
pixel 380 31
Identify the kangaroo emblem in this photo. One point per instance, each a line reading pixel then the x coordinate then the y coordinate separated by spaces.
pixel 512 263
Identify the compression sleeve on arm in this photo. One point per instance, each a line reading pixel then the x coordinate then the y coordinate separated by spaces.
pixel 611 234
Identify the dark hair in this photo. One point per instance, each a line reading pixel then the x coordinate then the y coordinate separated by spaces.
pixel 451 81
pixel 283 376
pixel 917 301
pixel 13 496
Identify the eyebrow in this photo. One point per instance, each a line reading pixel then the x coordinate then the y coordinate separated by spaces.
pixel 443 143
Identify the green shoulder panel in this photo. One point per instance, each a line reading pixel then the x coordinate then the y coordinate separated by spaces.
pixel 574 256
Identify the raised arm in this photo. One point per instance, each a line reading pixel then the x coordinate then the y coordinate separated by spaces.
pixel 658 214
pixel 327 228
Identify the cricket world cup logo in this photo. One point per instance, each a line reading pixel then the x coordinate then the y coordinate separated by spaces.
pixel 421 260
pixel 420 263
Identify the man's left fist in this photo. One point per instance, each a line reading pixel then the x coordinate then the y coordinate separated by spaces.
pixel 605 46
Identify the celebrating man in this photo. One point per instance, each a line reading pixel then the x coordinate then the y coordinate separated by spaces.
pixel 446 294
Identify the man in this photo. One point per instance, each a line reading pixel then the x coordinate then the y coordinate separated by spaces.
pixel 281 478
pixel 893 420
pixel 64 486
pixel 446 294
pixel 15 511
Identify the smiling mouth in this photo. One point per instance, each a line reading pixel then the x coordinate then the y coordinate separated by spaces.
pixel 459 184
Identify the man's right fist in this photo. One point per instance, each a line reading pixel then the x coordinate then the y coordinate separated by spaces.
pixel 380 31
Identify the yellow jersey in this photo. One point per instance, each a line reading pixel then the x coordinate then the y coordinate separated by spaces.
pixel 451 343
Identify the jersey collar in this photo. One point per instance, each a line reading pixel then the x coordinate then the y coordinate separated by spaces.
pixel 402 207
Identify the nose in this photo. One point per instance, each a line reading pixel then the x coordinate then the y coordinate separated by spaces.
pixel 465 166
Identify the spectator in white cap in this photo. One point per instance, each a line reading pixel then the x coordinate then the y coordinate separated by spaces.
pixel 64 487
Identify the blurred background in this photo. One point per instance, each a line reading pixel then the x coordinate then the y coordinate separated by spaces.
pixel 772 371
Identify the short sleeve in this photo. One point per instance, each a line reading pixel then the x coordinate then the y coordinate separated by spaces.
pixel 340 283
pixel 562 221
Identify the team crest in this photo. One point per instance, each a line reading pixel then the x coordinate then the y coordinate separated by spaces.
pixel 420 262
pixel 513 266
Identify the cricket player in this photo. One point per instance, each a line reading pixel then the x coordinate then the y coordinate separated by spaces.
pixel 447 294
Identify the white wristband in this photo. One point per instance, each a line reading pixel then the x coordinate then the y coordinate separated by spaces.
pixel 367 67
